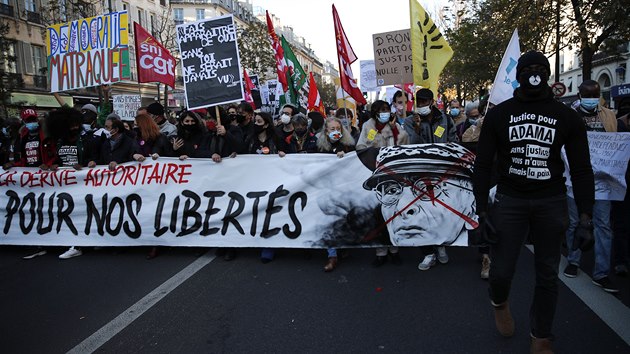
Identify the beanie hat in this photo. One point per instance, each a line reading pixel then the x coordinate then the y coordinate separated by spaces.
pixel 28 113
pixel 156 108
pixel 424 94
pixel 532 57
pixel 113 116
pixel 89 107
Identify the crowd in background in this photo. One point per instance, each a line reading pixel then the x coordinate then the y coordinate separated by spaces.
pixel 77 138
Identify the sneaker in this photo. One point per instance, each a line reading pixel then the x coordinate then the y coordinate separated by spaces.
pixel 39 252
pixel 621 270
pixel 427 262
pixel 606 284
pixel 485 267
pixel 442 256
pixel 571 271
pixel 70 253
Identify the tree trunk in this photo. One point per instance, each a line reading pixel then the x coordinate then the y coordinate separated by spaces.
pixel 587 62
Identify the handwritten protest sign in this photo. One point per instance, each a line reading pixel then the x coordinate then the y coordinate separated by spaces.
pixel 210 62
pixel 392 57
pixel 126 106
pixel 368 76
pixel 609 157
pixel 88 52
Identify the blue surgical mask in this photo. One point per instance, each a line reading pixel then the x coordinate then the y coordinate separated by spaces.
pixel 32 126
pixel 589 104
pixel 454 112
pixel 383 117
pixel 6 132
pixel 473 121
pixel 87 127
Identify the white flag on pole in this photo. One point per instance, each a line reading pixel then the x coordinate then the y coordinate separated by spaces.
pixel 505 81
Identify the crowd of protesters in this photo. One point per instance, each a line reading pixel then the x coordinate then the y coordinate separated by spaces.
pixel 70 137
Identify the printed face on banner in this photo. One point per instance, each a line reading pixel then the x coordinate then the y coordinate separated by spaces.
pixel 425 193
pixel 88 52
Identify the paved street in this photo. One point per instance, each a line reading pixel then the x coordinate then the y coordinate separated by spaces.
pixel 115 301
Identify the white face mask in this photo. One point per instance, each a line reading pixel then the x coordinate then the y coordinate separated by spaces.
pixel 423 111
pixel 285 119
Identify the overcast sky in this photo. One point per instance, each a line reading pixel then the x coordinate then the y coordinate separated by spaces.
pixel 360 19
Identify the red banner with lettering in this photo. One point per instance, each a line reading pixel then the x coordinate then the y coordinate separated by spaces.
pixel 154 62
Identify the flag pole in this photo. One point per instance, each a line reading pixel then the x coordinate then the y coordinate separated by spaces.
pixel 218 114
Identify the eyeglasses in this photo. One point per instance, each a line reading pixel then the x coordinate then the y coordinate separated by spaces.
pixel 424 189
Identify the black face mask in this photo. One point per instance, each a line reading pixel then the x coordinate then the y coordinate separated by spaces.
pixel 75 131
pixel 533 81
pixel 258 129
pixel 240 119
pixel 300 131
pixel 190 128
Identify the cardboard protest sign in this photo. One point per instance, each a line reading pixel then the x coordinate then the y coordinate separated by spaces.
pixel 126 106
pixel 88 52
pixel 210 62
pixel 392 57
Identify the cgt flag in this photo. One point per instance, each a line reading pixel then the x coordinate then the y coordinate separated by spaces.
pixel 429 49
pixel 346 56
pixel 247 89
pixel 281 64
pixel 314 99
pixel 154 62
pixel 505 81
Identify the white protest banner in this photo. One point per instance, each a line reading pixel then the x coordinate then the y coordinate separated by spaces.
pixel 392 57
pixel 88 52
pixel 368 76
pixel 126 106
pixel 274 202
pixel 210 62
pixel 505 80
pixel 264 94
pixel 610 153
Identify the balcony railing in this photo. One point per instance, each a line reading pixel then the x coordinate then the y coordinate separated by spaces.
pixel 6 10
pixel 14 81
pixel 40 81
pixel 179 22
pixel 33 17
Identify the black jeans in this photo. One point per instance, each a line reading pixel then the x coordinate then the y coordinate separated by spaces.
pixel 621 231
pixel 545 221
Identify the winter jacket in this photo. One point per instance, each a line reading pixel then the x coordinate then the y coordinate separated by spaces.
pixel 440 129
pixel 371 137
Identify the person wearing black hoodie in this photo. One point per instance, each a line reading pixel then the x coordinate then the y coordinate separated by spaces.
pixel 527 133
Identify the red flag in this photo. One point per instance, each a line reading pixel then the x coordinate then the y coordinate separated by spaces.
pixel 281 64
pixel 346 56
pixel 408 88
pixel 314 99
pixel 248 87
pixel 153 61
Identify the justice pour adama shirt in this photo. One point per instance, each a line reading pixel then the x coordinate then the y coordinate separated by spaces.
pixel 527 137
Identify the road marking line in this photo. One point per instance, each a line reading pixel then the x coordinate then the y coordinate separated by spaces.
pixel 108 331
pixel 610 309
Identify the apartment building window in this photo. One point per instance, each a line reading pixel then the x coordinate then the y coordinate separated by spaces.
pixel 178 16
pixel 6 8
pixel 201 14
pixel 152 25
pixel 125 6
pixel 140 17
pixel 39 59
pixel 29 5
